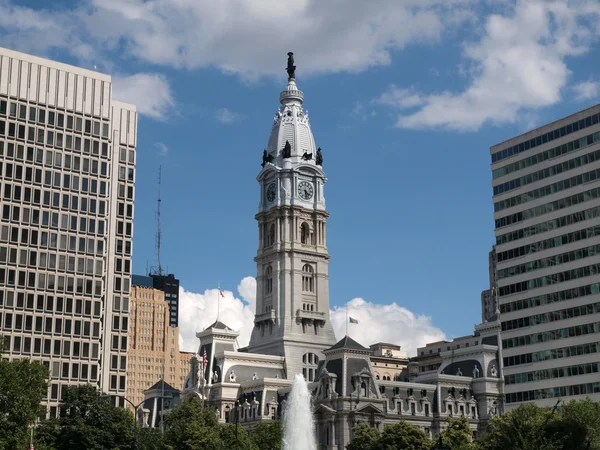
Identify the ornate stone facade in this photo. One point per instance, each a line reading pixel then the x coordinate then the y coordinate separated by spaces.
pixel 293 332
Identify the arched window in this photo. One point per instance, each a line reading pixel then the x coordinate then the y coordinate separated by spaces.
pixel 304 233
pixel 268 280
pixel 270 235
pixel 308 278
pixel 309 366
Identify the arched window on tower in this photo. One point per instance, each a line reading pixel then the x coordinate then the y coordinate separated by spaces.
pixel 270 237
pixel 268 280
pixel 308 278
pixel 304 233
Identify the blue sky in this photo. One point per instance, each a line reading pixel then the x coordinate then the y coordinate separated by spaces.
pixel 405 99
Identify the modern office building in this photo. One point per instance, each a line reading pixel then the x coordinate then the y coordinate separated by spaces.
pixel 546 193
pixel 67 172
pixel 169 285
pixel 152 343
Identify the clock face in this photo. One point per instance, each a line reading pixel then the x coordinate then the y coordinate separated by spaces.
pixel 271 192
pixel 305 190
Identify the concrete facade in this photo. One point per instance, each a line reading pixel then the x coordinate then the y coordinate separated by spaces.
pixel 546 186
pixel 67 174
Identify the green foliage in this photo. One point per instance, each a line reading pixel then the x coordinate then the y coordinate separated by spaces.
pixel 268 435
pixel 522 428
pixel 23 384
pixel 189 426
pixel 405 436
pixel 88 421
pixel 457 435
pixel 364 438
pixel 582 418
pixel 229 440
pixel 150 439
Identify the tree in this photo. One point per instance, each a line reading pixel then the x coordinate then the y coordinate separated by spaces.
pixel 457 435
pixel 232 439
pixel 523 428
pixel 405 436
pixel 189 426
pixel 268 435
pixel 88 421
pixel 150 439
pixel 582 419
pixel 23 385
pixel 364 438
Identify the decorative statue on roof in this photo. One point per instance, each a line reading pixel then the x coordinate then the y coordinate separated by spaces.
pixel 287 150
pixel 291 68
pixel 266 158
pixel 319 161
pixel 307 156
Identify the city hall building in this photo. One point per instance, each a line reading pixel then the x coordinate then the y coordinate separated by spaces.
pixel 293 333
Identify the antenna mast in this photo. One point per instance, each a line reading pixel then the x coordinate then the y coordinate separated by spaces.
pixel 158 270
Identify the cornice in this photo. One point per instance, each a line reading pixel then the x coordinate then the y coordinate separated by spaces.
pixel 251 357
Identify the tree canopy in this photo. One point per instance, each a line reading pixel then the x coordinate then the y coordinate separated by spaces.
pixel 88 421
pixel 23 385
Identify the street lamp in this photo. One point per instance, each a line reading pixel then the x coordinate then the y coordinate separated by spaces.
pixel 135 414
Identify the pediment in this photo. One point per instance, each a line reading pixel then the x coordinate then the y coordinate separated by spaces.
pixel 310 169
pixel 324 409
pixel 369 408
pixel 267 171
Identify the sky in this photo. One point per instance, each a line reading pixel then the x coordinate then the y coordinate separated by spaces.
pixel 405 99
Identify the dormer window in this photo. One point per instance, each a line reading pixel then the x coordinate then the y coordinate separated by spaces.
pixel 308 278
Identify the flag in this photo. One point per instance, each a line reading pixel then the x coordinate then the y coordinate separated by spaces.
pixel 352 320
pixel 221 292
pixel 204 359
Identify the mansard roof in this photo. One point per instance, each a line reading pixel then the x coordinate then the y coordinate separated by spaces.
pixel 159 387
pixel 348 342
pixel 219 325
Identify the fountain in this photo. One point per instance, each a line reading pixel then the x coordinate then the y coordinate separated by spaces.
pixel 298 423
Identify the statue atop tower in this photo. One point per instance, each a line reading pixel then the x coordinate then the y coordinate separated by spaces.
pixel 291 68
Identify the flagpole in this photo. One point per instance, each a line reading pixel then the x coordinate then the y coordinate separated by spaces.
pixel 347 319
pixel 218 299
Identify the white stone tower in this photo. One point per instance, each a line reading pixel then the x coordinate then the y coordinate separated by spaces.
pixel 292 302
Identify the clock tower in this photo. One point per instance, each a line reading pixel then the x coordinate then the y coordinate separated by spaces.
pixel 292 298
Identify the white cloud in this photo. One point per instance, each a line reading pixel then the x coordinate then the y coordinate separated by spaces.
pixel 150 92
pixel 400 98
pixel 163 150
pixel 198 311
pixel 385 323
pixel 519 65
pixel 245 37
pixel 360 112
pixel 377 323
pixel 225 116
pixel 586 90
